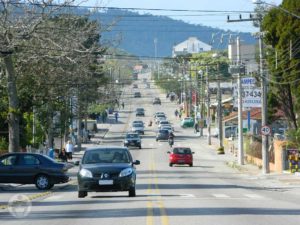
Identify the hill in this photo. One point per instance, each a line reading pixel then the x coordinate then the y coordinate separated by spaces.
pixel 135 33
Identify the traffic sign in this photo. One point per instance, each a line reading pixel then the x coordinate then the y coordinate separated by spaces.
pixel 265 130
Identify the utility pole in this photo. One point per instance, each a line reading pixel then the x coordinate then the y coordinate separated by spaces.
pixel 265 144
pixel 208 109
pixel 240 106
pixel 220 113
pixel 265 156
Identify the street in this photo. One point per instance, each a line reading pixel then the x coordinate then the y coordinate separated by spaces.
pixel 208 193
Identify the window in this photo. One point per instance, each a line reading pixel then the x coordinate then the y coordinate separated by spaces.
pixel 9 160
pixel 30 160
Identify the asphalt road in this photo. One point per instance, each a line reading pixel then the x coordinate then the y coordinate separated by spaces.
pixel 208 193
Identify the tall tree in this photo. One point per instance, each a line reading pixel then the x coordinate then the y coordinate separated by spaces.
pixel 282 34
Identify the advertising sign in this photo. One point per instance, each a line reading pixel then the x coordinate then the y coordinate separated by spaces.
pixel 251 95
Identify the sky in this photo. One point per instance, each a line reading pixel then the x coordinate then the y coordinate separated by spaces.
pixel 212 19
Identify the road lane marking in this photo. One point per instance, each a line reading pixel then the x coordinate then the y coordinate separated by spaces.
pixel 163 214
pixel 155 196
pixel 149 213
pixel 220 196
pixel 254 196
pixel 187 195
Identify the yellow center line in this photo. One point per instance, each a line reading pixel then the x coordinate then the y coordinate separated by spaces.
pixel 153 188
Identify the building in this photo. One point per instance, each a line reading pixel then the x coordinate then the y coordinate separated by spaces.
pixel 247 56
pixel 190 46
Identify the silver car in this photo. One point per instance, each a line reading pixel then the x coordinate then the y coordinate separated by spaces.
pixel 138 128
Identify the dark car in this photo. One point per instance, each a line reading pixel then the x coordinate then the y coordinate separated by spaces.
pixel 162 135
pixel 140 112
pixel 31 168
pixel 156 101
pixel 106 169
pixel 135 86
pixel 133 139
pixel 181 155
pixel 137 94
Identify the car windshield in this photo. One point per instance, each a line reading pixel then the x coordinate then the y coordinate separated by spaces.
pixel 140 109
pixel 163 131
pixel 164 122
pixel 137 125
pixel 132 136
pixel 182 151
pixel 106 156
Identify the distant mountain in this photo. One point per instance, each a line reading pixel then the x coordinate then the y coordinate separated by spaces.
pixel 135 33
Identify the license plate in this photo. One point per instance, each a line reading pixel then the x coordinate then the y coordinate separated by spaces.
pixel 106 182
pixel 181 161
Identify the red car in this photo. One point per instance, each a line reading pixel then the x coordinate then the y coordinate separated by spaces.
pixel 181 155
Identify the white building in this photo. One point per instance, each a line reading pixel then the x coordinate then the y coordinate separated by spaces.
pixel 191 45
pixel 247 53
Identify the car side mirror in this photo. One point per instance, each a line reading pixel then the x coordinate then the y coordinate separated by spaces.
pixel 76 163
pixel 136 162
pixel 168 152
pixel 193 152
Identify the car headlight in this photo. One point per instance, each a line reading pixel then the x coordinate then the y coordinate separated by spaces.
pixel 85 173
pixel 126 141
pixel 126 172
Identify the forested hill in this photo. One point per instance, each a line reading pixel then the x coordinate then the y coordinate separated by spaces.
pixel 136 33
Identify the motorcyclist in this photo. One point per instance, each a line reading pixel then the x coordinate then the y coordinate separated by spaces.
pixel 171 139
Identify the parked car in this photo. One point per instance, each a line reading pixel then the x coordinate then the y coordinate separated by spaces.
pixel 162 135
pixel 133 139
pixel 31 168
pixel 181 155
pixel 187 122
pixel 106 169
pixel 137 94
pixel 156 101
pixel 140 112
pixel 138 128
pixel 135 86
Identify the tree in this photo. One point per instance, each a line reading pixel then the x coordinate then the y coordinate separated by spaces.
pixel 46 54
pixel 285 78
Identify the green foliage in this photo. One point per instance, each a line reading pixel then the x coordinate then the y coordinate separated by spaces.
pixel 285 79
pixel 3 143
pixel 294 137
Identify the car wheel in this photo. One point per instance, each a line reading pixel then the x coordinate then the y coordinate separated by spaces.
pixel 156 139
pixel 170 164
pixel 42 182
pixel 82 194
pixel 131 192
pixel 140 147
pixel 191 164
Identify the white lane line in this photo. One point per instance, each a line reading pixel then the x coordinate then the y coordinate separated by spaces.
pixel 54 197
pixel 151 145
pixel 220 196
pixel 187 195
pixel 254 196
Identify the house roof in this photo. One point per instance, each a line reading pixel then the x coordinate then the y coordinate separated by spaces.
pixel 190 41
pixel 255 114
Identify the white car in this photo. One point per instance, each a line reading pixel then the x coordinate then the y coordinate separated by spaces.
pixel 160 118
pixel 163 122
pixel 138 128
